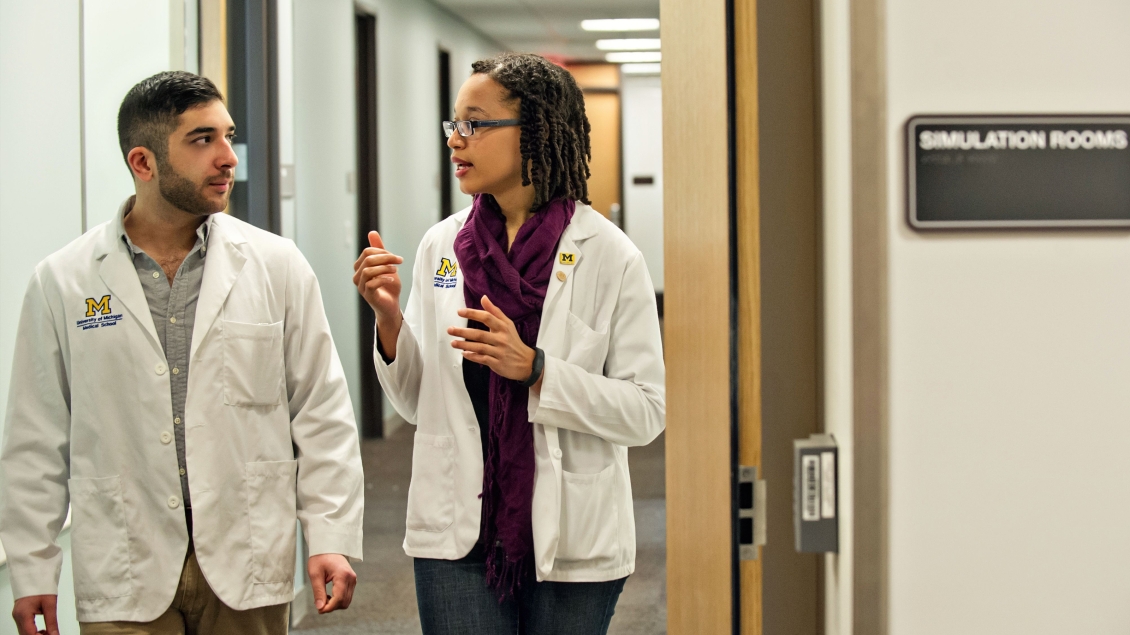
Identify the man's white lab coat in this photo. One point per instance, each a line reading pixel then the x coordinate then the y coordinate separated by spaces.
pixel 603 390
pixel 270 434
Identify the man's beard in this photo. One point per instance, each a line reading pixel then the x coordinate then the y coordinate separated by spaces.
pixel 181 192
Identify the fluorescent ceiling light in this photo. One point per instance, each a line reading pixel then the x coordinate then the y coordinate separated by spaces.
pixel 640 69
pixel 633 44
pixel 627 57
pixel 635 24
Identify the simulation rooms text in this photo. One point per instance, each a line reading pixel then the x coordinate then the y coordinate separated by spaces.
pixel 1023 140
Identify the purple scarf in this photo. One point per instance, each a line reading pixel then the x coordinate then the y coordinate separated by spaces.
pixel 516 283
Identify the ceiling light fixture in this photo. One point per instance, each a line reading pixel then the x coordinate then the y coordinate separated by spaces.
pixel 627 57
pixel 640 69
pixel 632 44
pixel 633 24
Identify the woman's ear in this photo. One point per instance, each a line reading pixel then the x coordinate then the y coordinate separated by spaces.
pixel 143 163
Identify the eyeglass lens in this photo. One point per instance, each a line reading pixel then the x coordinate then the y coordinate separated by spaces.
pixel 465 128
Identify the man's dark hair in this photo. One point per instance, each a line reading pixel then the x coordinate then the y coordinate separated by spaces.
pixel 555 131
pixel 149 112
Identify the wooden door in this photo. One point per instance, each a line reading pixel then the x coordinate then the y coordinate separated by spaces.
pixel 736 235
pixel 702 334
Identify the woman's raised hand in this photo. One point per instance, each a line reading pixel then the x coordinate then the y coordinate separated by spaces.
pixel 378 282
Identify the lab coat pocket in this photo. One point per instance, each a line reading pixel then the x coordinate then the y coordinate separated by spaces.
pixel 100 539
pixel 271 510
pixel 431 494
pixel 253 363
pixel 585 347
pixel 590 519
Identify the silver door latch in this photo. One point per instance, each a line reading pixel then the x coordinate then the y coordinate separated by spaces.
pixel 751 513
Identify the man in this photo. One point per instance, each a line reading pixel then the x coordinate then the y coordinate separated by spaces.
pixel 183 487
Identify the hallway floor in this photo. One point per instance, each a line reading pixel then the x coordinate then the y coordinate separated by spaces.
pixel 385 600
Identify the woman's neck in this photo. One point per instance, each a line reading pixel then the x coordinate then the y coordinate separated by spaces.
pixel 517 206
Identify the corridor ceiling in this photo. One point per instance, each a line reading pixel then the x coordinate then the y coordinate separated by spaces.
pixel 551 27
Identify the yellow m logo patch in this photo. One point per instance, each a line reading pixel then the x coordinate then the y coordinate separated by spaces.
pixel 93 307
pixel 568 259
pixel 447 268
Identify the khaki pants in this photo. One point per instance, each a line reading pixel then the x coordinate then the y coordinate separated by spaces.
pixel 197 611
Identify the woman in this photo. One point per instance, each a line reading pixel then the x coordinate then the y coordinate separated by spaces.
pixel 529 358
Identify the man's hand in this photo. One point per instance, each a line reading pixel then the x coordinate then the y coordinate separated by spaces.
pixel 27 608
pixel 325 569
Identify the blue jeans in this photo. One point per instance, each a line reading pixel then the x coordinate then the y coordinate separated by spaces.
pixel 454 600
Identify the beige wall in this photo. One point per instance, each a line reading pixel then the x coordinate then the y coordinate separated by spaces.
pixel 1002 506
pixel 601 83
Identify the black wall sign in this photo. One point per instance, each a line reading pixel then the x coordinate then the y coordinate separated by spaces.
pixel 1018 171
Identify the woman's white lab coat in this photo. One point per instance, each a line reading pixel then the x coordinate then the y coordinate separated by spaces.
pixel 603 390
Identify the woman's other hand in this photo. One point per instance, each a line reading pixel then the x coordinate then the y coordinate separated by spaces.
pixel 500 349
pixel 377 281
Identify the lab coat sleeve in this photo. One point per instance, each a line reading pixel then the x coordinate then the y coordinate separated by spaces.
pixel 34 461
pixel 401 379
pixel 627 405
pixel 331 493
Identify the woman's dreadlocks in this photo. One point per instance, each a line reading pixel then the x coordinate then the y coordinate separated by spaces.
pixel 555 131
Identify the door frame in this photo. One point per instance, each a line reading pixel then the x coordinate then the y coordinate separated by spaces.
pixel 702 571
pixel 368 207
pixel 721 85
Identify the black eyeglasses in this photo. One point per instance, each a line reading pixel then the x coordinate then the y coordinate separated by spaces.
pixel 467 128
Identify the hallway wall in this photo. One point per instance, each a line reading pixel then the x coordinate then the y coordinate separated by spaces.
pixel 409 33
pixel 1009 351
pixel 642 122
pixel 40 177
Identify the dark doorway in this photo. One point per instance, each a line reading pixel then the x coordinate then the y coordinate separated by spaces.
pixel 253 103
pixel 368 217
pixel 445 113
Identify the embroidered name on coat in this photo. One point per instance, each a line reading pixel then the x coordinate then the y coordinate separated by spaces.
pixel 98 314
pixel 445 275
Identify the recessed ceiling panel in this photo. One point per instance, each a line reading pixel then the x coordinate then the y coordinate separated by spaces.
pixel 549 26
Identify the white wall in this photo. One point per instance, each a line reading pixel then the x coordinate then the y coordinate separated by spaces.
pixel 124 41
pixel 409 34
pixel 325 161
pixel 642 124
pixel 40 174
pixel 1009 351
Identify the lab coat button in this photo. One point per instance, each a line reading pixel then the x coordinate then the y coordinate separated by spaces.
pixel 166 438
pixel 561 276
pixel 174 502
pixel 160 369
pixel 557 454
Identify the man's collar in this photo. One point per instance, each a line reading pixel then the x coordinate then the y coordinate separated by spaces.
pixel 202 231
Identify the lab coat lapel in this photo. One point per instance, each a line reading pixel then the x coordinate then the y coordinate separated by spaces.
pixel 120 276
pixel 560 290
pixel 223 264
